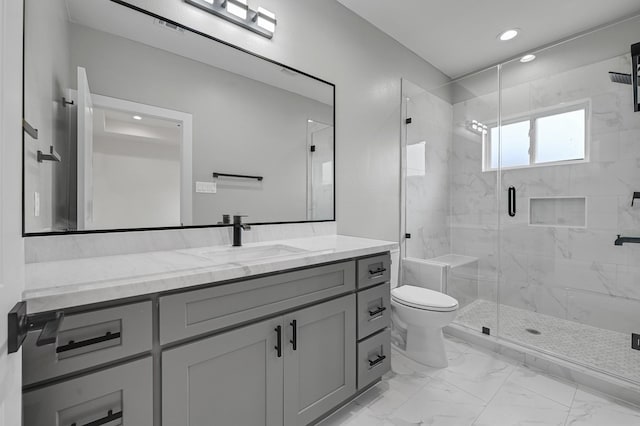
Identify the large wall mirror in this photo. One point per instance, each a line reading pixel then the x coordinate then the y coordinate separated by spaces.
pixel 133 122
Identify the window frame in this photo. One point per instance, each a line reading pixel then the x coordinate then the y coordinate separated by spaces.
pixel 532 117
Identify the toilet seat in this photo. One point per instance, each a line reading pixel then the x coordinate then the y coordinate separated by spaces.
pixel 424 299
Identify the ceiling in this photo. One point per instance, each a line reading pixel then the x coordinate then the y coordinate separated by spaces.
pixel 460 36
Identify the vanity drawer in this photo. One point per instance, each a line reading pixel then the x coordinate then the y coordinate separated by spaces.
pixel 116 396
pixel 374 270
pixel 197 312
pixel 374 309
pixel 89 339
pixel 374 358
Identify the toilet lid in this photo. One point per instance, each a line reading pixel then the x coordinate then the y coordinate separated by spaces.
pixel 423 298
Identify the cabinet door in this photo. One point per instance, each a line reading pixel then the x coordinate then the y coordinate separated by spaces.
pixel 320 372
pixel 120 395
pixel 233 378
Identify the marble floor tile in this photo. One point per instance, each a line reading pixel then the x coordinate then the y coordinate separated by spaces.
pixel 439 403
pixel 478 388
pixel 592 409
pixel 516 405
pixel 477 373
pixel 552 388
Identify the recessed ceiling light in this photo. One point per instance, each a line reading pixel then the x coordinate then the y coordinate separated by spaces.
pixel 508 34
pixel 527 58
pixel 137 117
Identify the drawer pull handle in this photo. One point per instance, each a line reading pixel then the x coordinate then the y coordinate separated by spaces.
pixel 279 340
pixel 377 273
pixel 294 340
pixel 377 311
pixel 83 343
pixel 111 416
pixel 49 333
pixel 376 361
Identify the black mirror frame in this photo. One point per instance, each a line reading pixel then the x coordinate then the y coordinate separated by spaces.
pixel 102 231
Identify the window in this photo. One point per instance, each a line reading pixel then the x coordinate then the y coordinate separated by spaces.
pixel 555 136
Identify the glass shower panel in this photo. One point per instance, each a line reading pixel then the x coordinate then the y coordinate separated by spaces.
pixel 565 288
pixel 450 215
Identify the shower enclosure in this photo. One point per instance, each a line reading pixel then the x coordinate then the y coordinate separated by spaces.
pixel 517 181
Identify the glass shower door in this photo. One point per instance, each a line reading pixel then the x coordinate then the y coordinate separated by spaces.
pixel 567 149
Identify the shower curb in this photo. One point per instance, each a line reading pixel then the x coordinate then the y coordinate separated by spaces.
pixel 620 389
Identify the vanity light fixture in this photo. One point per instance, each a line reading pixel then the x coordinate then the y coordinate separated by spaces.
pixel 261 22
pixel 508 34
pixel 239 8
pixel 527 58
pixel 265 19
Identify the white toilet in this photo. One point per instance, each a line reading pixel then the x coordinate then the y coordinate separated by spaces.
pixel 424 312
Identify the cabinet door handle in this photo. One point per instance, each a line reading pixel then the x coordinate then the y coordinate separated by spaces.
pixel 377 273
pixel 81 344
pixel 377 311
pixel 294 340
pixel 279 340
pixel 111 416
pixel 373 363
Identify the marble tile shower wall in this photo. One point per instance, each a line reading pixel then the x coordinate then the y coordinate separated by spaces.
pixel 567 272
pixel 427 195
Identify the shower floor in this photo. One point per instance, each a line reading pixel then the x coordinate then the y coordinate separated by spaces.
pixel 604 350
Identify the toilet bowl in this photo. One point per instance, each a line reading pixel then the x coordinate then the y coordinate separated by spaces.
pixel 425 312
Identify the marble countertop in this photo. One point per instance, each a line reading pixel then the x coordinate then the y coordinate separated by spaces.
pixel 68 283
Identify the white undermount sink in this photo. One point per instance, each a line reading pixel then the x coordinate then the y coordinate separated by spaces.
pixel 225 255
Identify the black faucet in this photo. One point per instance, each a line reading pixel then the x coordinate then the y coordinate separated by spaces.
pixel 621 240
pixel 238 226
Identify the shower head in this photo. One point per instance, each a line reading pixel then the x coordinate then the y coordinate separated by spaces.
pixel 617 77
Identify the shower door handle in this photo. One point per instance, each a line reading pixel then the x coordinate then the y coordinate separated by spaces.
pixel 512 201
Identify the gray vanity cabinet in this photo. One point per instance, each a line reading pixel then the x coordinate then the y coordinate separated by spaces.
pixel 241 377
pixel 233 378
pixel 319 371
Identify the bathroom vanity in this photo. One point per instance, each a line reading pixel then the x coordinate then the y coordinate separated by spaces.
pixel 271 333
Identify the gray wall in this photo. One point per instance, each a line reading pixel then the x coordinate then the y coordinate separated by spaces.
pixel 240 126
pixel 135 184
pixel 325 39
pixel 47 78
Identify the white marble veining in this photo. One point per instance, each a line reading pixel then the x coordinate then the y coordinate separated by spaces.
pixel 499 392
pixel 66 283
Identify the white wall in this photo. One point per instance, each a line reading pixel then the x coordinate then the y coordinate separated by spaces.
pixel 11 243
pixel 240 126
pixel 47 77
